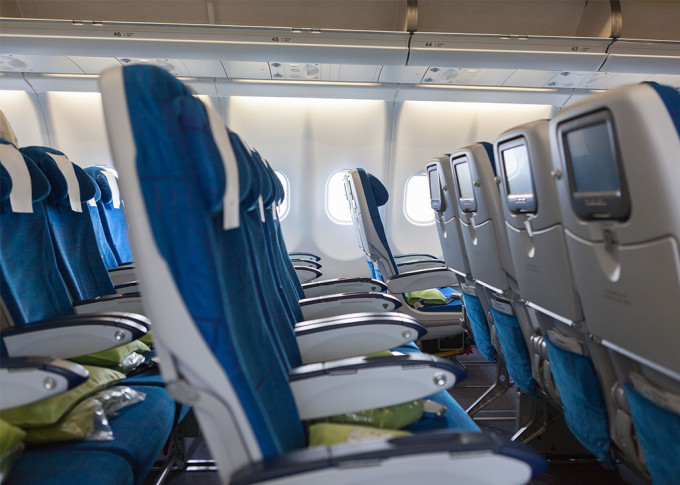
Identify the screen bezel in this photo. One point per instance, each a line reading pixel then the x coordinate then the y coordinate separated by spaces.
pixel 435 204
pixel 601 205
pixel 518 203
pixel 466 204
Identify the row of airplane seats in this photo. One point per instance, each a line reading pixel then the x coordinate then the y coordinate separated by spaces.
pixel 48 261
pixel 217 282
pixel 574 230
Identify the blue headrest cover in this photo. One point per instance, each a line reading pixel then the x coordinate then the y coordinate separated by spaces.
pixel 59 192
pixel 249 184
pixel 671 98
pixel 97 190
pixel 267 189
pixel 103 188
pixel 5 184
pixel 380 193
pixel 40 187
pixel 489 151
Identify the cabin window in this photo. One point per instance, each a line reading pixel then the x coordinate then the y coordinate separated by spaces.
pixel 417 200
pixel 284 208
pixel 337 207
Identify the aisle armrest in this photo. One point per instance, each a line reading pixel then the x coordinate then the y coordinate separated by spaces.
pixel 340 304
pixel 422 279
pixel 355 334
pixel 127 302
pixel 29 379
pixel 405 258
pixel 72 336
pixel 343 285
pixel 360 383
pixel 306 274
pixel 416 265
pixel 123 274
pixel 304 255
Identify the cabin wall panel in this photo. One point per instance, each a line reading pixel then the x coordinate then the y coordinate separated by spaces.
pixel 22 110
pixel 309 139
pixel 77 127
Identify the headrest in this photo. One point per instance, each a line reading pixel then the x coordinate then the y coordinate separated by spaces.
pixel 380 192
pixel 267 188
pixel 671 98
pixel 6 130
pixel 70 184
pixel 249 182
pixel 489 151
pixel 97 192
pixel 5 184
pixel 107 184
pixel 28 184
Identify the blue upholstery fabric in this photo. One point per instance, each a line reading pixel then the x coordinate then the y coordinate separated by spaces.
pixel 5 183
pixel 585 409
pixel 657 429
pixel 183 201
pixel 515 350
pixel 455 417
pixel 152 419
pixel 78 257
pixel 489 151
pixel 66 467
pixel 479 326
pixel 103 244
pixel 671 98
pixel 371 184
pixel 113 220
pixel 30 283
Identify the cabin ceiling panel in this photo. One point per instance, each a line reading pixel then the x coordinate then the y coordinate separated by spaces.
pixel 13 82
pixel 650 19
pixel 94 65
pixel 309 89
pixel 31 63
pixel 552 97
pixel 247 70
pixel 530 78
pixel 471 77
pixel 668 79
pixel 212 68
pixel 660 57
pixel 402 74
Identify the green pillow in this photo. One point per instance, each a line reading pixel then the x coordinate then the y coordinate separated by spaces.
pixel 327 434
pixel 49 411
pixel 11 445
pixel 147 338
pixel 85 421
pixel 113 357
pixel 431 297
pixel 391 417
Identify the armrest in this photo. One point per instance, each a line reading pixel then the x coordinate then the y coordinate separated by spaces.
pixel 454 455
pixel 29 379
pixel 340 304
pixel 125 288
pixel 356 334
pixel 416 265
pixel 306 274
pixel 127 303
pixel 304 255
pixel 123 274
pixel 405 258
pixel 422 279
pixel 72 336
pixel 361 383
pixel 306 263
pixel 343 285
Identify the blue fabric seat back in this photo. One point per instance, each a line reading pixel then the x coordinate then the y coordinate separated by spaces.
pixel 30 283
pixel 376 196
pixel 183 180
pixel 112 215
pixel 93 206
pixel 78 256
pixel 103 244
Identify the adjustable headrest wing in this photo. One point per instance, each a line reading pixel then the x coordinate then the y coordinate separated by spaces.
pixel 249 182
pixel 380 193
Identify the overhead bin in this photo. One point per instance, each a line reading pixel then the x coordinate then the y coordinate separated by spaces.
pixel 491 51
pixel 655 56
pixel 202 42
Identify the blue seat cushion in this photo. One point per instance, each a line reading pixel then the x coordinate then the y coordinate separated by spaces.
pixel 479 326
pixel 455 418
pixel 139 431
pixel 515 350
pixel 585 410
pixel 657 429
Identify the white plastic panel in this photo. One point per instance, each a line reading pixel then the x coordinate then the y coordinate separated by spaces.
pixel 247 70
pixel 78 130
pixel 94 65
pixel 402 74
pixel 644 56
pixel 529 78
pixel 507 52
pixel 37 63
pixel 22 110
pixel 309 139
pixel 426 129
